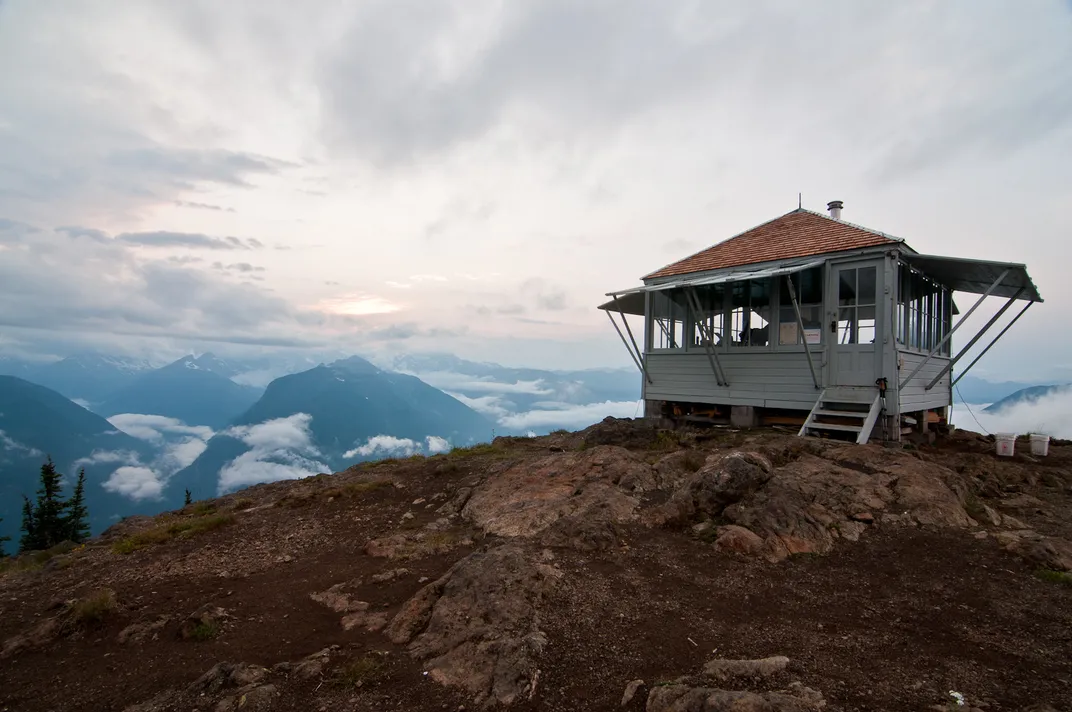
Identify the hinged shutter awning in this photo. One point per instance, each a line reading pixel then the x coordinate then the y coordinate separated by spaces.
pixel 631 301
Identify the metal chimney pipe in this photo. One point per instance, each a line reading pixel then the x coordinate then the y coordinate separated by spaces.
pixel 834 206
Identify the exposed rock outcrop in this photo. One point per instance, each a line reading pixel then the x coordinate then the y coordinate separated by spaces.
pixel 478 626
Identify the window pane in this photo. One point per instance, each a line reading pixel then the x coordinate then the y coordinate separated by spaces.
pixel 865 330
pixel 789 329
pixel 867 284
pixel 847 287
pixel 749 320
pixel 847 325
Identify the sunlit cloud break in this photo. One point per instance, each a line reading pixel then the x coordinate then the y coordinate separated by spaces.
pixel 357 305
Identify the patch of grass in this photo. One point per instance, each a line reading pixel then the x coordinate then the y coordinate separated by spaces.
pixel 293 500
pixel 200 509
pixel 361 672
pixel 205 630
pixel 33 560
pixel 183 528
pixel 91 612
pixel 665 440
pixel 1052 576
pixel 560 431
pixel 241 504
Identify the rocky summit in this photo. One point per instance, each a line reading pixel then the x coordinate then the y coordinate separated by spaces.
pixel 624 567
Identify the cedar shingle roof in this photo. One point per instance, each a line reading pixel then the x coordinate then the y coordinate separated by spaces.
pixel 800 233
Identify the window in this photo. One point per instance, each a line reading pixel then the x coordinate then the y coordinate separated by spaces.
pixel 751 313
pixel 809 290
pixel 924 311
pixel 856 305
pixel 710 320
pixel 668 320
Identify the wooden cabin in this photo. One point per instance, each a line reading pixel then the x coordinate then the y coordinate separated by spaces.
pixel 813 320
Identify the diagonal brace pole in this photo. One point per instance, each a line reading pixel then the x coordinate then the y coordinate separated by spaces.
pixel 953 362
pixel 956 326
pixel 693 303
pixel 996 338
pixel 800 325
pixel 639 354
pixel 629 348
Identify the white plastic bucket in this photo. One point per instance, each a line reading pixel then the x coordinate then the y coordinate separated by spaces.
pixel 1040 445
pixel 1006 444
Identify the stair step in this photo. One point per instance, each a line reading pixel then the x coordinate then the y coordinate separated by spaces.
pixel 845 394
pixel 832 426
pixel 842 413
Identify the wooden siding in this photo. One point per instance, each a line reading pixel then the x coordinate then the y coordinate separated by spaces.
pixel 913 397
pixel 765 379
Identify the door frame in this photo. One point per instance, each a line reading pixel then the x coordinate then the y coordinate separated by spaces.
pixel 832 311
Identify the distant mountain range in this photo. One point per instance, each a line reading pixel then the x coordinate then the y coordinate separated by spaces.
pixel 82 377
pixel 348 405
pixel 193 390
pixel 1030 395
pixel 36 422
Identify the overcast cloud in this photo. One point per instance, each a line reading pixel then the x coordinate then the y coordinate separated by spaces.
pixel 472 176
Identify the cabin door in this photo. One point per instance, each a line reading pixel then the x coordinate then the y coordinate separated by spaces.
pixel 852 328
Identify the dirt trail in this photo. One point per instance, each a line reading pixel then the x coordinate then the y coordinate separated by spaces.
pixel 549 573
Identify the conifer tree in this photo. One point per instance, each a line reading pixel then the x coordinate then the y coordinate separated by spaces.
pixel 31 540
pixel 189 499
pixel 48 514
pixel 75 521
pixel 53 519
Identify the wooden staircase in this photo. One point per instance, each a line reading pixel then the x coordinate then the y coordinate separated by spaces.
pixel 844 409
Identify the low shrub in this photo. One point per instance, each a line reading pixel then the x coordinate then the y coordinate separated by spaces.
pixel 91 612
pixel 1059 577
pixel 182 528
pixel 360 672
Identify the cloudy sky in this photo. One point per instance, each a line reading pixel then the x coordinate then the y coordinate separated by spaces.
pixel 473 175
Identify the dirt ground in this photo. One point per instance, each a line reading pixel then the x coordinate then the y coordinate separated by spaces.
pixel 894 621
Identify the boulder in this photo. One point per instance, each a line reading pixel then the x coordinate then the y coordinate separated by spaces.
pixel 732 538
pixel 725 670
pixel 144 630
pixel 476 628
pixel 531 496
pixel 630 691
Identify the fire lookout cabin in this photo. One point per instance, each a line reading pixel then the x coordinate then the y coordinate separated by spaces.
pixel 813 320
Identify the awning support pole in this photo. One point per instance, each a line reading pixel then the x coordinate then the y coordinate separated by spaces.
pixel 639 357
pixel 956 326
pixel 996 338
pixel 953 362
pixel 800 325
pixel 628 347
pixel 712 357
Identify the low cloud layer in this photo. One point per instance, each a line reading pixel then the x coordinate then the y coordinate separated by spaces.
pixel 573 417
pixel 390 446
pixel 11 445
pixel 1051 415
pixel 177 443
pixel 280 449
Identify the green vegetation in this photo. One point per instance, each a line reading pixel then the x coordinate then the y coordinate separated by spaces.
pixel 91 612
pixel 241 503
pixel 361 672
pixel 205 630
pixel 202 508
pixel 1052 576
pixel 974 508
pixel 33 560
pixel 52 519
pixel 188 500
pixel 182 529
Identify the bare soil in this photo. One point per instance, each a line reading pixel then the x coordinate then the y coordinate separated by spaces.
pixel 894 621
